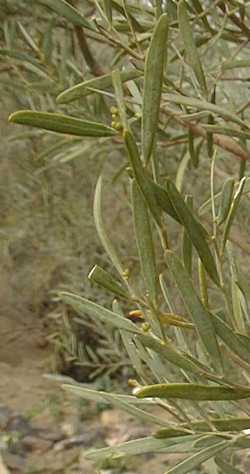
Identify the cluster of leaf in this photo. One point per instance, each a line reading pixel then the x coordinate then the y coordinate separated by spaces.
pixel 167 86
pixel 46 221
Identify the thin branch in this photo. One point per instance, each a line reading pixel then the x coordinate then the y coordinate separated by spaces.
pixel 226 143
pixel 237 21
pixel 93 65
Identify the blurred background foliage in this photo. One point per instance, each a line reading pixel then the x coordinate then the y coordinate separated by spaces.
pixel 48 239
pixel 47 187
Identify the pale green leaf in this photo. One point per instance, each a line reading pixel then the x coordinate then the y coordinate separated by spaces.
pixel 61 124
pixel 232 211
pixel 83 306
pixel 117 84
pixel 154 68
pixel 102 232
pixel 195 231
pixel 144 239
pixel 225 200
pixel 195 460
pixel 66 10
pixel 189 45
pixel 101 277
pixel 107 4
pixel 192 391
pixel 207 106
pixel 200 317
pixel 98 83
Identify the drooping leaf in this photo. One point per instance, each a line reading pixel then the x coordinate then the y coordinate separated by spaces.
pixel 195 231
pixel 154 68
pixel 232 211
pixel 169 352
pixel 207 106
pixel 200 317
pixel 198 8
pixel 139 174
pixel 225 200
pixel 63 8
pixel 221 424
pixel 226 467
pixel 195 460
pixel 19 56
pixel 142 446
pixel 192 151
pixel 60 123
pixel 101 277
pixel 83 391
pixel 231 339
pixel 107 4
pixel 117 84
pixel 190 46
pixel 191 391
pixel 187 247
pixel 144 239
pixel 83 306
pixel 98 83
pixel 102 232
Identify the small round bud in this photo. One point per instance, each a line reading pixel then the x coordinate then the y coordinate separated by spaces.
pixel 114 110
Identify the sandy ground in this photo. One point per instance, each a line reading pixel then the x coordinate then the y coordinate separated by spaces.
pixel 42 429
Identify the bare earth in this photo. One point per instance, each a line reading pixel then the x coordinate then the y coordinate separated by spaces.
pixel 42 429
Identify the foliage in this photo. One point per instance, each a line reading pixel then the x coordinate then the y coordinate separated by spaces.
pixel 174 131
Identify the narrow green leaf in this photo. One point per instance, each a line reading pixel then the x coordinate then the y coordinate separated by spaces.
pixel 31 43
pixel 47 41
pixel 83 306
pixel 202 284
pixel 144 239
pixel 193 155
pixel 221 424
pixel 135 411
pixel 163 200
pixel 142 446
pixel 225 200
pixel 101 277
pixel 128 341
pixel 192 391
pixel 195 231
pixel 189 45
pixel 200 317
pixel 19 56
pixel 108 10
pixel 181 171
pixel 88 87
pixel 169 352
pixel 195 460
pixel 225 467
pixel 154 68
pixel 61 124
pixel 232 211
pixel 198 8
pixel 210 139
pixel 82 391
pixel 231 339
pixel 129 344
pixel 100 226
pixel 207 106
pixel 140 177
pixel 187 247
pixel 236 63
pixel 238 317
pixel 117 83
pixel 66 10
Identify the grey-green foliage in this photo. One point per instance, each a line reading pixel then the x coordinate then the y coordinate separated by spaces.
pixel 204 363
